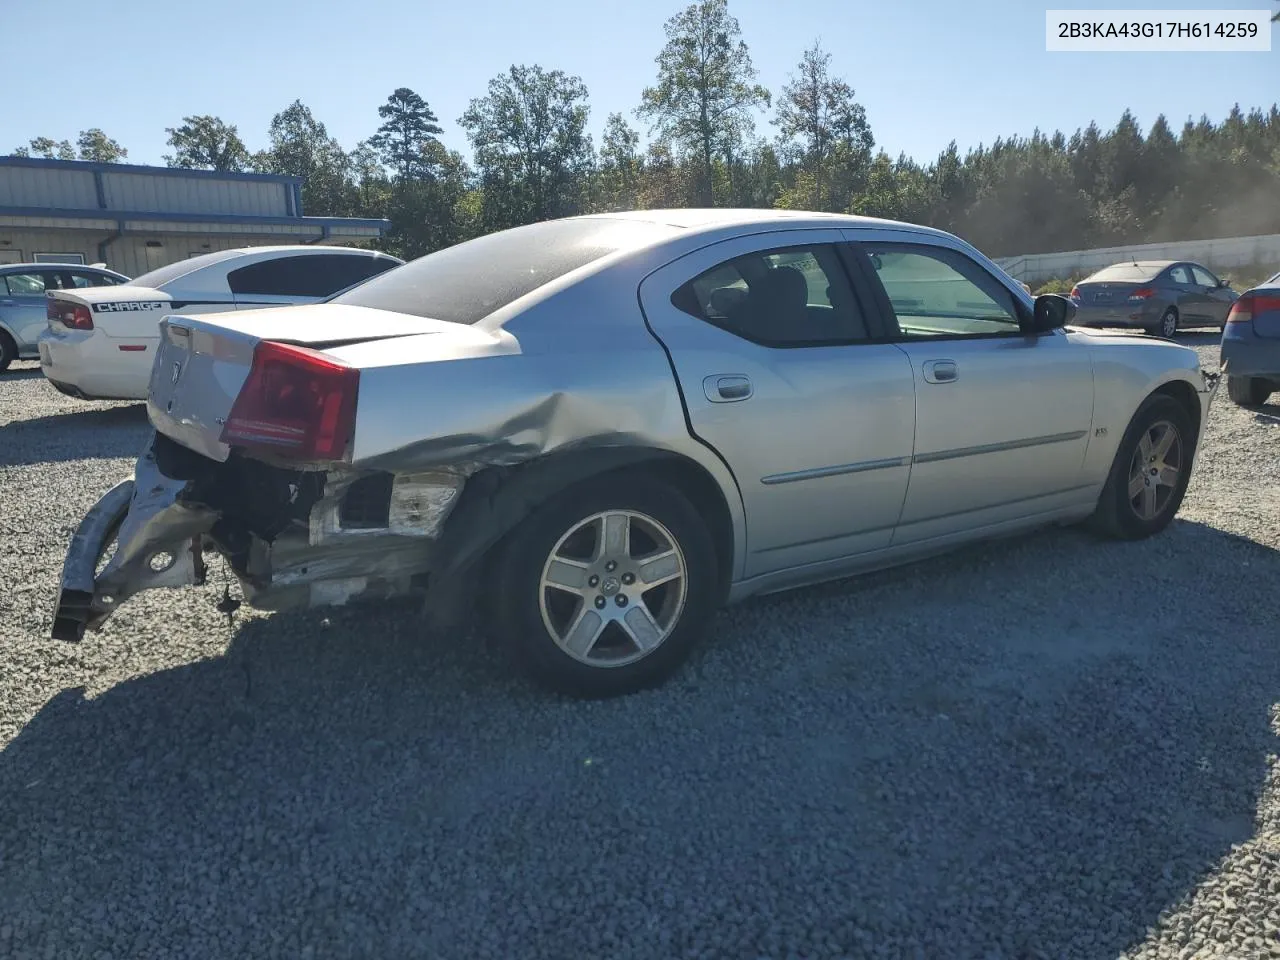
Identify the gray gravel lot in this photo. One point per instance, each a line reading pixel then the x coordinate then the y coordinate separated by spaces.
pixel 1049 747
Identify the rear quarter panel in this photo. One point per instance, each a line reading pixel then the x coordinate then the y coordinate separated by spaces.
pixel 572 366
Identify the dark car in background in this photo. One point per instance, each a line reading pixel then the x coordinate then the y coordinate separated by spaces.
pixel 1250 353
pixel 1158 296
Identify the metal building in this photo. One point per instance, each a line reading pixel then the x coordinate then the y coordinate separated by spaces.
pixel 135 218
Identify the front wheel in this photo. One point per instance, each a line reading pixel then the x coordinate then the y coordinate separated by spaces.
pixel 1150 472
pixel 1248 391
pixel 606 588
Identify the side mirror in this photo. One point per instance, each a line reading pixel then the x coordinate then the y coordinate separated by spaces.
pixel 1222 284
pixel 1052 311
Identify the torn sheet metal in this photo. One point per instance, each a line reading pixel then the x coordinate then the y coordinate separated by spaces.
pixel 420 503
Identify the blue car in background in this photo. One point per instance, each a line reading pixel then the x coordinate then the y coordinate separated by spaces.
pixel 1158 296
pixel 1250 352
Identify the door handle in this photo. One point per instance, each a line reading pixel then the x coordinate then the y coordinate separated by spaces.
pixel 941 371
pixel 726 387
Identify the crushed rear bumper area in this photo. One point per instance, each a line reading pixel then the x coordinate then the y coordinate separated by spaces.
pixel 291 537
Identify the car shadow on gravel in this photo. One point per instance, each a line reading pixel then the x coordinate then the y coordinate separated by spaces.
pixel 20 373
pixel 92 433
pixel 1026 749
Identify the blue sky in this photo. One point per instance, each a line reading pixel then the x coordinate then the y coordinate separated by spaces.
pixel 927 71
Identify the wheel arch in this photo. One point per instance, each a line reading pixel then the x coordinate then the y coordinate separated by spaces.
pixel 1186 396
pixel 496 499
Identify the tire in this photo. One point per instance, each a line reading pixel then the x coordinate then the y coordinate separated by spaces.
pixel 1167 326
pixel 8 351
pixel 1249 391
pixel 1130 507
pixel 533 617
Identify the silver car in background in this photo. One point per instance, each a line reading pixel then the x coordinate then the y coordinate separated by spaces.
pixel 601 429
pixel 1158 296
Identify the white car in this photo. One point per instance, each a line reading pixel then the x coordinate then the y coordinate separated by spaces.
pixel 101 341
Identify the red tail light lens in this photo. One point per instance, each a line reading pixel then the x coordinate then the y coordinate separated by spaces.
pixel 1075 293
pixel 1250 306
pixel 1143 293
pixel 296 403
pixel 73 316
pixel 1241 311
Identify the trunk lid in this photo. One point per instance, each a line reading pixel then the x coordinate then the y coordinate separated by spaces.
pixel 123 311
pixel 1266 311
pixel 1105 294
pixel 202 362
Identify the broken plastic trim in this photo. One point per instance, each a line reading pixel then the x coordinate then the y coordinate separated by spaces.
pixel 158 544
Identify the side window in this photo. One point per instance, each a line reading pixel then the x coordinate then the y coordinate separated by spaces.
pixel 1180 274
pixel 26 284
pixel 84 279
pixel 939 292
pixel 790 297
pixel 1204 277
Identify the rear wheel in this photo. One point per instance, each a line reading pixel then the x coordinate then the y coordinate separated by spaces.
pixel 1249 391
pixel 1150 472
pixel 8 351
pixel 1167 326
pixel 605 589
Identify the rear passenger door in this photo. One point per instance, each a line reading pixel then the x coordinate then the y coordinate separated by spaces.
pixel 1186 295
pixel 303 278
pixel 785 374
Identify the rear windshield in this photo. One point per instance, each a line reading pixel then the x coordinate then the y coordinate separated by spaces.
pixel 173 271
pixel 1127 271
pixel 467 282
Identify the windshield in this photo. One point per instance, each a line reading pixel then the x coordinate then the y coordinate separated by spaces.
pixel 467 282
pixel 1126 271
pixel 173 271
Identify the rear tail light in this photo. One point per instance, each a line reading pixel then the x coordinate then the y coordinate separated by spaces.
pixel 1075 293
pixel 73 316
pixel 1250 306
pixel 296 403
pixel 1143 293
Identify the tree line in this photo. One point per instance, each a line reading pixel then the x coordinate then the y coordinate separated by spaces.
pixel 533 159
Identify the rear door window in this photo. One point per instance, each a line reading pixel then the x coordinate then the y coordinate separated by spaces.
pixel 790 297
pixel 26 284
pixel 1180 274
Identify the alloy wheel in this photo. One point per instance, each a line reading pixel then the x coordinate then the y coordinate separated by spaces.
pixel 613 588
pixel 1155 470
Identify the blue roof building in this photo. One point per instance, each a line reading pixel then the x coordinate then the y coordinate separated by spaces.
pixel 136 218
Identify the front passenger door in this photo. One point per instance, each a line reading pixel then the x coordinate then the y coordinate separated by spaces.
pixel 23 305
pixel 1002 418
pixel 780 374
pixel 1217 298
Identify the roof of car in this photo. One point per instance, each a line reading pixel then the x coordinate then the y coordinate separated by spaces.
pixel 12 267
pixel 710 218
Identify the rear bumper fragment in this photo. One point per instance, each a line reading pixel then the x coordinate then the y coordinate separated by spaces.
pixel 158 544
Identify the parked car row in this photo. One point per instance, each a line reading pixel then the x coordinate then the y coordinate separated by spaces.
pixel 23 311
pixel 99 343
pixel 601 429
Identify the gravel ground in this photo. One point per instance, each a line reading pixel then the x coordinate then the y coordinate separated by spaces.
pixel 1050 747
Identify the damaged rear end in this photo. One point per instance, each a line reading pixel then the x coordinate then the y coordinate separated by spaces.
pixel 252 459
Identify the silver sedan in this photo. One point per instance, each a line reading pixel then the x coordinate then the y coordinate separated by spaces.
pixel 598 430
